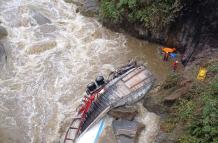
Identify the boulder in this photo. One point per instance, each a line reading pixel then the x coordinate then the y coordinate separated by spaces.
pixel 169 100
pixel 184 86
pixel 88 7
pixel 3 32
pixel 91 5
pixel 127 112
pixel 2 55
pixel 127 131
pixel 153 104
pixel 2 51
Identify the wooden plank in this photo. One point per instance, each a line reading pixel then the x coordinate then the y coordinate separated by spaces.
pixel 133 73
pixel 136 79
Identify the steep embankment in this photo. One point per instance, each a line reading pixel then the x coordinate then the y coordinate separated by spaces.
pixel 190 26
pixel 187 107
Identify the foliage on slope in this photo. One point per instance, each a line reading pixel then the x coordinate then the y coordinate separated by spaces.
pixel 152 14
pixel 197 110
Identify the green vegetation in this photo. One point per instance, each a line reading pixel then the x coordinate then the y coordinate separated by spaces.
pixel 213 67
pixel 153 14
pixel 171 81
pixel 199 114
pixel 205 127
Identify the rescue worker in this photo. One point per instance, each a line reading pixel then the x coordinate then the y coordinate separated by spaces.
pixel 175 65
pixel 166 56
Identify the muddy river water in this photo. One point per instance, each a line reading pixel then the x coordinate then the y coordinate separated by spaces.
pixel 52 53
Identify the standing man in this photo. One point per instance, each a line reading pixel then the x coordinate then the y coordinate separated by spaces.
pixel 166 56
pixel 175 65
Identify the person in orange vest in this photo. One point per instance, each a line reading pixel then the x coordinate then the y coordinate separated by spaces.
pixel 175 65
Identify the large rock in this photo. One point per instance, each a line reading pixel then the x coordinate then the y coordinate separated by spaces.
pixel 2 55
pixel 3 32
pixel 127 112
pixel 185 86
pixel 86 7
pixel 127 131
pixel 2 50
pixel 91 5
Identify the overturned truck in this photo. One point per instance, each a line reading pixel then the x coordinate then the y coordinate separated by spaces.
pixel 124 86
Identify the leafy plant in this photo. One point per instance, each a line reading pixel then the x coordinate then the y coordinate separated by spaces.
pixel 186 109
pixel 213 67
pixel 205 126
pixel 109 10
pixel 171 81
pixel 154 15
pixel 199 114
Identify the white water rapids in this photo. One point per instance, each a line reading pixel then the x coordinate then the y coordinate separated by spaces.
pixel 52 53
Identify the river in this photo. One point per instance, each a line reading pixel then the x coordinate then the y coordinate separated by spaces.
pixel 52 53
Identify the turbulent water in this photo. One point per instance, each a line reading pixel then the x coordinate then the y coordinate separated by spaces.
pixel 52 53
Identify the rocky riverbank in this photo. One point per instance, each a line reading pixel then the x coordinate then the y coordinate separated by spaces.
pixel 187 107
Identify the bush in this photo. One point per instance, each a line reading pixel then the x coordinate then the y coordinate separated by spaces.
pixel 205 127
pixel 152 14
pixel 198 113
pixel 186 109
pixel 187 139
pixel 171 81
pixel 213 67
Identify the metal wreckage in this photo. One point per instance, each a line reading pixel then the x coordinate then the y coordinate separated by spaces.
pixel 125 86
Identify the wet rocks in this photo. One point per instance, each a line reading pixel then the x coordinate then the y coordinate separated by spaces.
pixel 90 5
pixel 2 51
pixel 3 32
pixel 127 112
pixel 86 7
pixel 176 95
pixel 127 131
pixel 3 56
pixel 134 131
pixel 184 87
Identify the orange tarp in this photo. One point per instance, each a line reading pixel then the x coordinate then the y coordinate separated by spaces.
pixel 169 50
